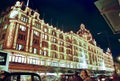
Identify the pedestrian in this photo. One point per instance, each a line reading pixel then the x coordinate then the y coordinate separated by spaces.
pixel 115 76
pixel 4 76
pixel 85 76
pixel 77 77
pixel 62 77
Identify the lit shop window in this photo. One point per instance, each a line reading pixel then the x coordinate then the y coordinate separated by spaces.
pixel 19 47
pixel 42 62
pixel 10 58
pixel 68 65
pixel 33 61
pixel 48 63
pixel 71 65
pixel 36 33
pixel 22 28
pixel 78 66
pixel 55 63
pixel 62 65
pixel 19 59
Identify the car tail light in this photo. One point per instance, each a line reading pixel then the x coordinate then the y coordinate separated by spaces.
pixel 111 77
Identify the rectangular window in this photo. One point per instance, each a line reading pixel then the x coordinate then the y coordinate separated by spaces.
pixel 19 47
pixel 17 58
pixel 42 62
pixel 24 19
pixel 35 41
pixel 21 37
pixel 22 28
pixel 36 33
pixel 37 24
pixel 35 50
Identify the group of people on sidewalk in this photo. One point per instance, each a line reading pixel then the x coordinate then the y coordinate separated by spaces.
pixel 82 77
pixel 85 77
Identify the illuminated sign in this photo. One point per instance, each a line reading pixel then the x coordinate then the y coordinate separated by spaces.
pixel 3 58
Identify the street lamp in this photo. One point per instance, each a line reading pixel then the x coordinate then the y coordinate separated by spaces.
pixel 118 58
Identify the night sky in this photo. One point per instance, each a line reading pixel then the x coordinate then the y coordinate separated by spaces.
pixel 67 15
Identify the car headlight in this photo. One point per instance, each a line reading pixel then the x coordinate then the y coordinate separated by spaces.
pixel 103 79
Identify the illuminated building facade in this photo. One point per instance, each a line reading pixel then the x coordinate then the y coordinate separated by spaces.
pixel 37 46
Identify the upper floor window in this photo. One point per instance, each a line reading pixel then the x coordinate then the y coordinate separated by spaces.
pixel 36 33
pixel 24 19
pixel 54 33
pixel 61 49
pixel 54 40
pixel 35 50
pixel 61 43
pixel 44 36
pixel 45 29
pixel 19 47
pixel 68 39
pixel 44 44
pixel 61 36
pixel 22 28
pixel 54 47
pixel 45 53
pixel 37 24
pixel 61 56
pixel 35 41
pixel 75 41
pixel 21 37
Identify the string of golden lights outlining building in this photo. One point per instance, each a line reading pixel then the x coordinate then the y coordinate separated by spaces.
pixel 40 47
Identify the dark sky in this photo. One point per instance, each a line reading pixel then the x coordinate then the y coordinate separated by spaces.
pixel 67 15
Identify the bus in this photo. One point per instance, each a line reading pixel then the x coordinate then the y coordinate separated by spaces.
pixel 4 60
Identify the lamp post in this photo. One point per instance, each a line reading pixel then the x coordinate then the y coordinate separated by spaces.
pixel 118 58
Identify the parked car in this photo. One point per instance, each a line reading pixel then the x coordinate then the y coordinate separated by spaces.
pixel 19 76
pixel 104 78
pixel 68 76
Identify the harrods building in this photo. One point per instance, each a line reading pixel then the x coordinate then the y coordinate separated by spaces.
pixel 39 47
